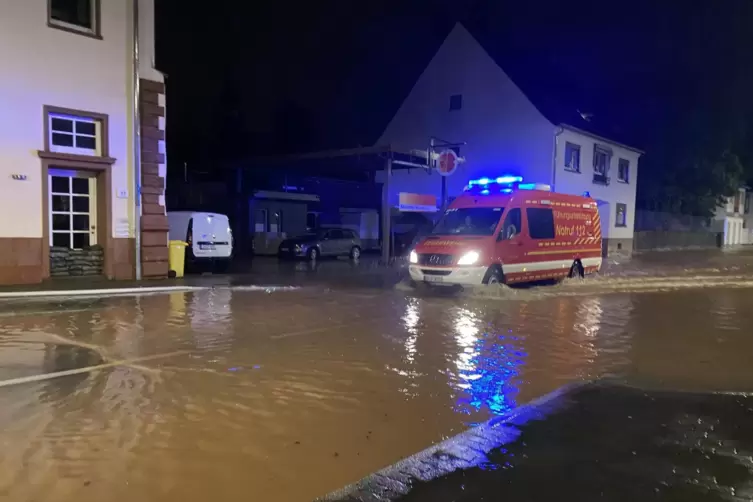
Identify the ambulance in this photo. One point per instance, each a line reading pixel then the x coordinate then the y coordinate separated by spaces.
pixel 501 230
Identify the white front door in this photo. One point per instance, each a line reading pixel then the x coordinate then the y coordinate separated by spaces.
pixel 73 209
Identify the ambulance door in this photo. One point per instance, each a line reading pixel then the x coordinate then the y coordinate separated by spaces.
pixel 511 242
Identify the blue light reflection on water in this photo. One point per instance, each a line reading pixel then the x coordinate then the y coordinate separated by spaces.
pixel 487 368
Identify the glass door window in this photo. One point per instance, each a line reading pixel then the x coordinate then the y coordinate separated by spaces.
pixel 72 211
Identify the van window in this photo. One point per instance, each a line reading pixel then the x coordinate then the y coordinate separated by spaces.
pixel 469 221
pixel 336 234
pixel 512 226
pixel 540 223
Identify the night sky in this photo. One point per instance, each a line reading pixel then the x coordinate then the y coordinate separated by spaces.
pixel 246 80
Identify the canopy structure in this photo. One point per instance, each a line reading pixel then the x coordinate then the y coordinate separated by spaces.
pixel 373 158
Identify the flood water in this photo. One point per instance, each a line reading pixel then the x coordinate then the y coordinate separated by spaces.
pixel 285 395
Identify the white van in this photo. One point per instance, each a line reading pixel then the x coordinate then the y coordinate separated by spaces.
pixel 208 235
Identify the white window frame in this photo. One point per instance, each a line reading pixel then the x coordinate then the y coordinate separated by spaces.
pixel 626 163
pixel 93 30
pixel 573 148
pixel 617 213
pixel 607 159
pixel 96 152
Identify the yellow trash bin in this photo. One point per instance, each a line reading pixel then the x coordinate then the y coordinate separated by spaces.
pixel 177 258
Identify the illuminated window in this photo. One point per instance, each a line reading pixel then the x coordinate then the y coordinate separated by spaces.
pixel 75 135
pixel 572 157
pixel 78 16
pixel 620 214
pixel 623 170
pixel 456 102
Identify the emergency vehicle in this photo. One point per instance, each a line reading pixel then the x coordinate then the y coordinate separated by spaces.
pixel 501 230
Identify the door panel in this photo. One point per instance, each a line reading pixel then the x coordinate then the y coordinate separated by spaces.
pixel 73 209
pixel 511 242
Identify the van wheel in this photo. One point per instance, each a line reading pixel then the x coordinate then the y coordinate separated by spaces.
pixel 494 275
pixel 355 253
pixel 576 271
pixel 313 254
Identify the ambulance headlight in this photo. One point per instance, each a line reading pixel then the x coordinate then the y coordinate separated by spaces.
pixel 469 258
pixel 413 257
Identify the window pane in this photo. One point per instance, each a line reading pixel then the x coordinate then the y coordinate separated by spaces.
pixel 61 184
pixel 78 12
pixel 620 215
pixel 61 239
pixel 81 185
pixel 80 240
pixel 512 224
pixel 469 221
pixel 62 139
pixel 80 222
pixel 61 203
pixel 80 204
pixel 61 222
pixel 540 223
pixel 62 125
pixel 87 128
pixel 87 142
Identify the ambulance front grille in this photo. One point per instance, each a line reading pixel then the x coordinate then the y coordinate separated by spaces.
pixel 436 260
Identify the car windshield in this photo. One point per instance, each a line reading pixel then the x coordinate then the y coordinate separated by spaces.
pixel 469 221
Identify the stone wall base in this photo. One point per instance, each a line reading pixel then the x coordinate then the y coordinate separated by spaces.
pixel 614 248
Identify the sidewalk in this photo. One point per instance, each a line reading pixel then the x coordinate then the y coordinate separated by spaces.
pixel 82 286
pixel 589 442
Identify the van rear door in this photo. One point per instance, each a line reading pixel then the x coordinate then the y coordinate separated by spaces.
pixel 211 235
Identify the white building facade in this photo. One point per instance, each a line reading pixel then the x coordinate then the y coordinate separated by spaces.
pixel 465 96
pixel 70 146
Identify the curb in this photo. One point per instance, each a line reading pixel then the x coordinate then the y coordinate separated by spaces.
pixel 99 292
pixel 463 451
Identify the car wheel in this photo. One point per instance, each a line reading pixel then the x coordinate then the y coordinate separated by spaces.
pixel 494 276
pixel 313 254
pixel 576 271
pixel 355 253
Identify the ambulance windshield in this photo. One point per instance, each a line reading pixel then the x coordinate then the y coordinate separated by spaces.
pixel 469 221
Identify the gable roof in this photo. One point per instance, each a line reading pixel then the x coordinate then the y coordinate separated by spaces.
pixel 557 97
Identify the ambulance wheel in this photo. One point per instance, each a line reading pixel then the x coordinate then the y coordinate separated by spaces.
pixel 576 271
pixel 494 275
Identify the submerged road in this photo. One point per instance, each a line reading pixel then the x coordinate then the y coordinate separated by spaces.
pixel 284 395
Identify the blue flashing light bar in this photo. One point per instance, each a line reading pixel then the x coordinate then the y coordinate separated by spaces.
pixel 504 184
pixel 502 180
pixel 509 179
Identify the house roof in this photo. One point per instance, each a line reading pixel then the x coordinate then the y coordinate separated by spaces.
pixel 564 99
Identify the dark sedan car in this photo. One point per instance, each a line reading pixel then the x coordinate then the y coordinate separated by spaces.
pixel 325 242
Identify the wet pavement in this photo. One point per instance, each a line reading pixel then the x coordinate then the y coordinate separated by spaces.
pixel 670 446
pixel 288 394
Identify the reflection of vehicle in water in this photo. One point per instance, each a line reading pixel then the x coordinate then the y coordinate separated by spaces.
pixel 501 230
pixel 325 242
